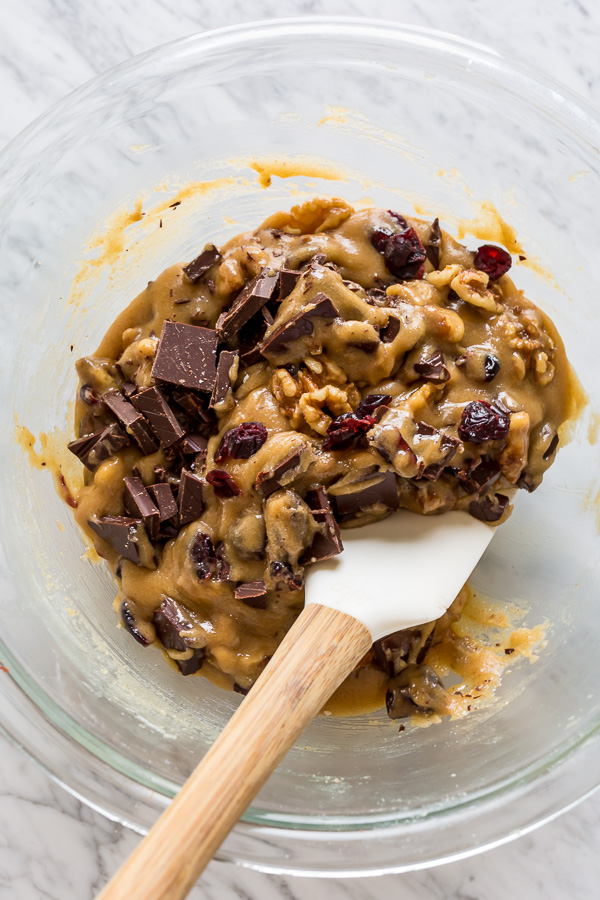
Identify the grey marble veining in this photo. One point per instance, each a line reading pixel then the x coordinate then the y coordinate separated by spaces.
pixel 51 846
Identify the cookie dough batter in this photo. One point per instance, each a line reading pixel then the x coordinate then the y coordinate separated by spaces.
pixel 327 369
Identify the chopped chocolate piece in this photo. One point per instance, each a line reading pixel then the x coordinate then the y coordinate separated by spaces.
pixel 433 368
pixel 287 282
pixel 169 621
pixel 251 336
pixel 327 544
pixel 200 266
pixel 194 445
pixel 139 503
pixel 162 494
pixel 190 498
pixel 193 404
pixel 160 473
pixel 373 405
pixel 491 367
pixel 238 689
pixel 393 650
pixel 120 533
pixel 551 449
pixel 203 556
pixel 299 325
pixel 489 509
pixel 223 484
pixel 269 480
pixel 128 388
pixel 434 244
pixel 241 442
pixel 284 577
pixel 95 448
pixel 193 663
pixel 376 296
pixel 248 302
pixel 384 492
pixel 252 593
pixel 161 418
pixel 415 688
pixel 227 369
pixel 480 479
pixel 186 356
pixel 390 331
pixel 134 626
pixel 132 420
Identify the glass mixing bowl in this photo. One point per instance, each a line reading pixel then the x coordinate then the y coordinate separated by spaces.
pixel 406 118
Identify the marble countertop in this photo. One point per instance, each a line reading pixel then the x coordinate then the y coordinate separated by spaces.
pixel 51 846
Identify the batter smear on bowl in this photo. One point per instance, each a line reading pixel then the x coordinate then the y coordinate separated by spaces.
pixel 328 369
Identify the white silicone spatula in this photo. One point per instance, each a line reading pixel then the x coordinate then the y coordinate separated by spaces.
pixel 398 573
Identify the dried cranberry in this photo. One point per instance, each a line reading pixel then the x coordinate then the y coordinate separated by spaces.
pixel 494 261
pixel 489 509
pixel 242 442
pixel 130 624
pixel 371 404
pixel 203 557
pixel 399 219
pixel 491 367
pixel 223 484
pixel 345 431
pixel 379 238
pixel 482 422
pixel 404 255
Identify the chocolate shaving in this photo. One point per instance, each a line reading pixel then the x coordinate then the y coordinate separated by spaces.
pixel 186 356
pixel 433 368
pixel 133 421
pixel 200 266
pixel 226 374
pixel 389 332
pixel 329 542
pixel 120 533
pixel 95 448
pixel 433 245
pixel 162 494
pixel 139 503
pixel 384 492
pixel 248 302
pixel 163 421
pixel 190 498
pixel 269 480
pixel 252 593
pixel 299 325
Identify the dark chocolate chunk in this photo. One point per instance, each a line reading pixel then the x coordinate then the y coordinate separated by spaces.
pixel 287 282
pixel 269 480
pixel 139 503
pixel 162 494
pixel 491 367
pixel 200 266
pixel 284 577
pixel 390 331
pixel 132 420
pixel 169 621
pixel 248 302
pixel 226 374
pixel 551 449
pixel 415 688
pixel 329 542
pixel 252 593
pixel 95 448
pixel 480 479
pixel 163 421
pixel 186 356
pixel 128 388
pixel 392 652
pixel 238 689
pixel 251 336
pixel 190 498
pixel 193 404
pixel 120 533
pixel 373 405
pixel 193 445
pixel 489 509
pixel 299 325
pixel 134 626
pixel 384 492
pixel 434 244
pixel 160 473
pixel 193 663
pixel 433 368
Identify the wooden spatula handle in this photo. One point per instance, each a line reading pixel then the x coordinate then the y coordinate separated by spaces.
pixel 319 651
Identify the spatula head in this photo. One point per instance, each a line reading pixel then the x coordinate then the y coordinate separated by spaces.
pixel 402 571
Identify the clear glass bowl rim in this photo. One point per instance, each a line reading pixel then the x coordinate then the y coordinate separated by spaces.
pixel 545 781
